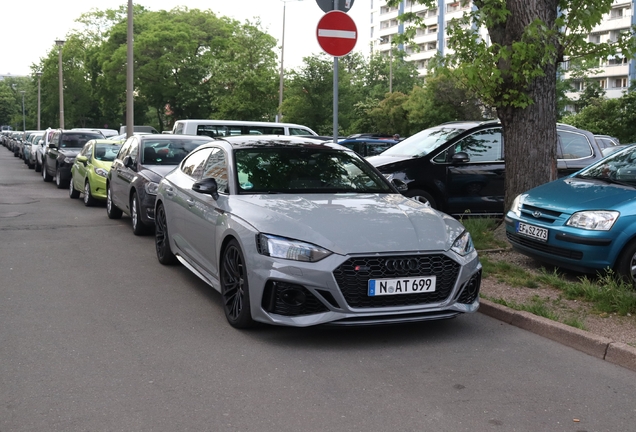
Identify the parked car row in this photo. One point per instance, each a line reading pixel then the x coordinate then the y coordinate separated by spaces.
pixel 279 225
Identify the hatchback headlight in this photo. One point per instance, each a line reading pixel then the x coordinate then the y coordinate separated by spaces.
pixel 516 205
pixel 595 220
pixel 69 160
pixel 280 247
pixel 463 245
pixel 151 188
pixel 101 172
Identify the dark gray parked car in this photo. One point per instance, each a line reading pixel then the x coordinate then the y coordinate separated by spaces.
pixel 64 146
pixel 133 179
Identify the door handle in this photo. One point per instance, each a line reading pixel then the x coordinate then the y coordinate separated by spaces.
pixel 190 202
pixel 169 191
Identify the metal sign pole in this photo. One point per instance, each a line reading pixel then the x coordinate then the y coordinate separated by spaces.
pixel 335 90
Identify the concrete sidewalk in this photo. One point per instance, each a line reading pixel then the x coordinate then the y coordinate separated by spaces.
pixel 598 346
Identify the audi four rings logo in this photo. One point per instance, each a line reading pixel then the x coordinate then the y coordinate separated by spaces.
pixel 401 264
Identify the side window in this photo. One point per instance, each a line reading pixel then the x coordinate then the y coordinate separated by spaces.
pixel 55 140
pixel 574 145
pixel 482 146
pixel 125 148
pixel 179 129
pixel 298 131
pixel 134 150
pixel 87 150
pixel 216 168
pixel 194 163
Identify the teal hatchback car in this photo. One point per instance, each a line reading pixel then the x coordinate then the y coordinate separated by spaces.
pixel 585 222
pixel 89 171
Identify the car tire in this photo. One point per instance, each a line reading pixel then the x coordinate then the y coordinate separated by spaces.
pixel 139 228
pixel 72 192
pixel 89 201
pixel 626 264
pixel 421 196
pixel 235 287
pixel 112 210
pixel 45 175
pixel 162 241
pixel 61 184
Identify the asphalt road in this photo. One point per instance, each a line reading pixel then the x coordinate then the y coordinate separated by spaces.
pixel 96 335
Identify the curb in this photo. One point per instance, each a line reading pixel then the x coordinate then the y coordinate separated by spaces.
pixel 600 347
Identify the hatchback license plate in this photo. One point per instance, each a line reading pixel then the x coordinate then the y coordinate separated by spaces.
pixel 532 231
pixel 407 285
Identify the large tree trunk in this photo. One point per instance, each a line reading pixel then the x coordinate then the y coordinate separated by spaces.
pixel 530 136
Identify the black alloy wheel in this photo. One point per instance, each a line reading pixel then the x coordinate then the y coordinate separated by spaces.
pixel 162 241
pixel 72 192
pixel 235 288
pixel 89 201
pixel 61 184
pixel 112 210
pixel 139 228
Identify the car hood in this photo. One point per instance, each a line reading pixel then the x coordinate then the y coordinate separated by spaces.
pixel 382 160
pixel 160 170
pixel 571 194
pixel 351 223
pixel 70 152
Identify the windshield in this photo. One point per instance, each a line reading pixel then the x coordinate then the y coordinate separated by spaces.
pixel 619 167
pixel 166 151
pixel 106 152
pixel 424 142
pixel 304 170
pixel 77 139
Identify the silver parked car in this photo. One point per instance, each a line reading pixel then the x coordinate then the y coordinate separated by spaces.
pixel 297 231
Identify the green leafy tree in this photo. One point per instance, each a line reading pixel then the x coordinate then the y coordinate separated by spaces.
pixel 515 71
pixel 390 116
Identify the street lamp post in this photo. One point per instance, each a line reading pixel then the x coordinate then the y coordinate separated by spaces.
pixel 60 43
pixel 39 75
pixel 279 115
pixel 23 117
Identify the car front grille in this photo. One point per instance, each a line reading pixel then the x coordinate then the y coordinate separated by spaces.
pixel 354 274
pixel 543 247
pixel 540 214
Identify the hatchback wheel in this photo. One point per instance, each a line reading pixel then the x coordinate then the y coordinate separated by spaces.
pixel 112 210
pixel 139 228
pixel 89 201
pixel 162 242
pixel 234 287
pixel 72 192
pixel 61 184
pixel 626 264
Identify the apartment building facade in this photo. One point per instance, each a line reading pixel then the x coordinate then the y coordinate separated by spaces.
pixel 614 74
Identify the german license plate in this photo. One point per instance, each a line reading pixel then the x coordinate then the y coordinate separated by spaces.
pixel 532 231
pixel 406 285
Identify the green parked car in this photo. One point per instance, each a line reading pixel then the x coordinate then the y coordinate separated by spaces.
pixel 89 171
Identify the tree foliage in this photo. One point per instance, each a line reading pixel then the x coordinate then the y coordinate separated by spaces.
pixel 514 69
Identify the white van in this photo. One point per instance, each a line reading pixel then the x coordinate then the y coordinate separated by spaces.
pixel 222 128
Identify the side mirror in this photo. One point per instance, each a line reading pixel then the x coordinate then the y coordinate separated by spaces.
pixel 41 142
pixel 52 146
pixel 128 162
pixel 207 186
pixel 81 159
pixel 460 157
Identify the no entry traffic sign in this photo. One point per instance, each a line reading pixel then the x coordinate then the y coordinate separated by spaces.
pixel 337 33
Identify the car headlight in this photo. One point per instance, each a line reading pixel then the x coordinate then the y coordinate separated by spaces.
pixel 280 247
pixel 101 172
pixel 151 188
pixel 69 160
pixel 595 220
pixel 463 245
pixel 515 208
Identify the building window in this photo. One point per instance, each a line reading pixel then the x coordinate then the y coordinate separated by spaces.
pixel 602 84
pixel 432 29
pixel 620 83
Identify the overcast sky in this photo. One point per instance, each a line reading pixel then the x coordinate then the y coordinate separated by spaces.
pixel 29 28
